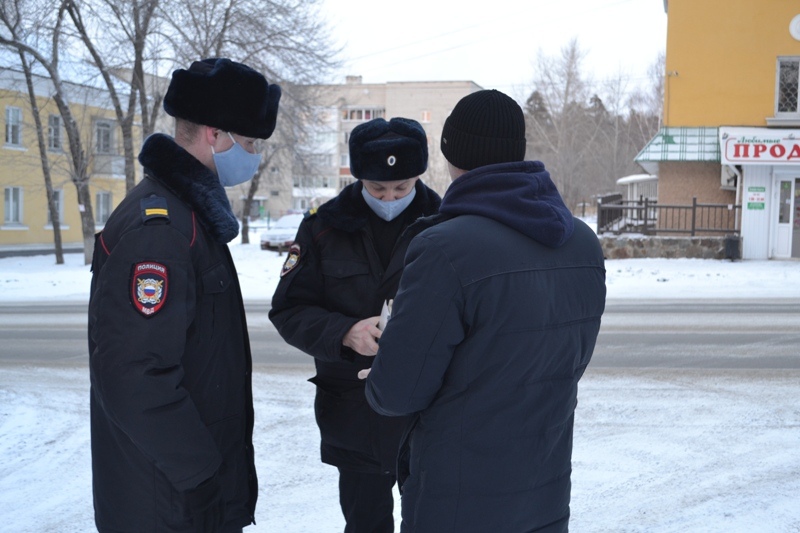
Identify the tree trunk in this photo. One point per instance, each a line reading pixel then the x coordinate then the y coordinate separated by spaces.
pixel 87 219
pixel 48 182
pixel 247 207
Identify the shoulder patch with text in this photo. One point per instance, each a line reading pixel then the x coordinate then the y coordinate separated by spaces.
pixel 292 260
pixel 149 287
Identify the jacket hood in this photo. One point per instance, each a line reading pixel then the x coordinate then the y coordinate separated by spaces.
pixel 520 195
pixel 193 182
pixel 349 212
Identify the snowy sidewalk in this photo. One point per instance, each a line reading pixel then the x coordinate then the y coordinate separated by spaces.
pixel 655 451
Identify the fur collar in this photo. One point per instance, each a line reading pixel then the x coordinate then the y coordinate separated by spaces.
pixel 192 182
pixel 349 212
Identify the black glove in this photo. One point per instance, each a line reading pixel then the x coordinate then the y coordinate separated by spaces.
pixel 204 504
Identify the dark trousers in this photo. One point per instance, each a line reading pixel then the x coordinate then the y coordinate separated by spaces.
pixel 367 501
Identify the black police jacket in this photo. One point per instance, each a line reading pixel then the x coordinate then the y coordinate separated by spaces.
pixel 171 400
pixel 332 279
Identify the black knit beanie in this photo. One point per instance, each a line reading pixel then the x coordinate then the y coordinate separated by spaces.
pixel 485 127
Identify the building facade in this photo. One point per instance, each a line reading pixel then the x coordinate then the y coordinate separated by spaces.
pixel 732 117
pixel 27 223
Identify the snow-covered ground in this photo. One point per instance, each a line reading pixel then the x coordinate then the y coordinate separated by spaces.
pixel 30 279
pixel 658 450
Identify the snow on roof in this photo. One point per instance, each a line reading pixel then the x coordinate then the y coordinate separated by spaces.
pixel 637 178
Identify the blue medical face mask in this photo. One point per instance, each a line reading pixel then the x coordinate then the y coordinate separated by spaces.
pixel 236 165
pixel 388 211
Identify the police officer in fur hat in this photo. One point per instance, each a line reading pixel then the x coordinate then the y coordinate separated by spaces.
pixel 345 265
pixel 171 399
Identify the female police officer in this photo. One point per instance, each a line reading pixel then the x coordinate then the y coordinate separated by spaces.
pixel 346 262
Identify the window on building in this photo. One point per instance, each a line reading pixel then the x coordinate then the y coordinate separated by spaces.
pixel 344 160
pixel 321 160
pixel 58 199
pixel 54 133
pixel 12 205
pixel 102 207
pixel 104 137
pixel 361 114
pixel 788 100
pixel 344 181
pixel 258 207
pixel 13 126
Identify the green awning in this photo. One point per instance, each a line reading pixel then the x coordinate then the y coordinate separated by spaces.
pixel 680 144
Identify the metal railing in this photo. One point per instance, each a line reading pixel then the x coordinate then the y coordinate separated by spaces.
pixel 648 217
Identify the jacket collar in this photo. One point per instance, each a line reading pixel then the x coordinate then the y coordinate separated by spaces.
pixel 195 184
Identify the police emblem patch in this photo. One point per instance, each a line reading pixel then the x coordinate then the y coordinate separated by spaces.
pixel 149 287
pixel 292 260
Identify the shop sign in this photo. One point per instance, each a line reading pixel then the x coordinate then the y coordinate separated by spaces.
pixel 756 198
pixel 759 145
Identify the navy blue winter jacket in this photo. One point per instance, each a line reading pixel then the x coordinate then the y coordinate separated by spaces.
pixel 493 325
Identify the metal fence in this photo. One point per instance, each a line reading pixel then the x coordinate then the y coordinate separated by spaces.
pixel 648 217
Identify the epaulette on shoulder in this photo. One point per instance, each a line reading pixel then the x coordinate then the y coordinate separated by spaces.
pixel 310 212
pixel 154 208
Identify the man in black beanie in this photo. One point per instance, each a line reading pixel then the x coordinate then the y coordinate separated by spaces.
pixel 493 325
pixel 169 356
pixel 344 266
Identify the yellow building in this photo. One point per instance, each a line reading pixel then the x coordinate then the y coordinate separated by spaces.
pixel 731 117
pixel 26 224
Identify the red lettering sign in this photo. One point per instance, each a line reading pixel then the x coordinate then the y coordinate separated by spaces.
pixel 777 151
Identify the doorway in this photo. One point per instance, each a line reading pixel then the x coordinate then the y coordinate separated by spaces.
pixel 787 243
pixel 796 219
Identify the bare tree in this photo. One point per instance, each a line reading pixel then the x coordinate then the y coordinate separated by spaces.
pixel 557 119
pixel 649 100
pixel 40 139
pixel 133 20
pixel 647 104
pixel 21 22
pixel 587 136
pixel 288 41
pixel 614 148
pixel 437 176
pixel 269 153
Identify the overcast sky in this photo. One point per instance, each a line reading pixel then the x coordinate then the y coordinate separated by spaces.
pixel 493 42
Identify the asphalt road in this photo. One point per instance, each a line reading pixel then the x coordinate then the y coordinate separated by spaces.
pixel 662 334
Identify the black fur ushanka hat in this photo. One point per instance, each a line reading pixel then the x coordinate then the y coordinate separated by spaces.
pixel 223 94
pixel 388 151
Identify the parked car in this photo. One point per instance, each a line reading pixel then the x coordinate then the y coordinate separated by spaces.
pixel 282 233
